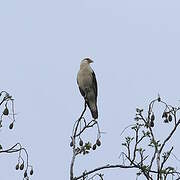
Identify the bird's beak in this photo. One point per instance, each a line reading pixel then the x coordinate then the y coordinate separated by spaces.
pixel 91 61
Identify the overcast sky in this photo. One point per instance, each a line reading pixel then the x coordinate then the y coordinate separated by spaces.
pixel 135 46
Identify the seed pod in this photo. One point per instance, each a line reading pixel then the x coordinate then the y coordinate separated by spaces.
pixel 152 123
pixel 164 115
pixel 17 166
pixel 71 144
pixel 22 166
pixel 94 147
pixel 159 98
pixel 25 174
pixel 81 142
pixel 31 172
pixel 6 111
pixel 11 125
pixel 152 117
pixel 98 142
pixel 170 118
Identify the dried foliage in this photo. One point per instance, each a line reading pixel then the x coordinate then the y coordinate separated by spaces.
pixel 143 150
pixel 7 106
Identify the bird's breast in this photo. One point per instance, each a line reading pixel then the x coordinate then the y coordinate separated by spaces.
pixel 84 78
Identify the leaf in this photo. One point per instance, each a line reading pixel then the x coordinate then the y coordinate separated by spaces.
pixel 139 110
pixel 124 144
pixel 138 174
pixel 87 146
pixel 170 168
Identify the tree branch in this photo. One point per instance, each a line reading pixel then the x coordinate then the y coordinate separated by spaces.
pixel 101 168
pixel 74 143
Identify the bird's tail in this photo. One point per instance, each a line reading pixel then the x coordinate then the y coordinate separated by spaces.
pixel 93 109
pixel 94 114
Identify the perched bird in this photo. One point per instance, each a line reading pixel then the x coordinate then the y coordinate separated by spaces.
pixel 87 83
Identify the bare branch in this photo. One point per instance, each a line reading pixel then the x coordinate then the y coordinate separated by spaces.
pixel 74 143
pixel 101 168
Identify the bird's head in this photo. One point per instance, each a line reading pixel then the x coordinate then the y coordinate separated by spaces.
pixel 87 60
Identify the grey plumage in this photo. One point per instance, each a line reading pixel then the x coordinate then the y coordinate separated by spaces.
pixel 87 83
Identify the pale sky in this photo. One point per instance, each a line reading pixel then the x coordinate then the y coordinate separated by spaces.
pixel 135 47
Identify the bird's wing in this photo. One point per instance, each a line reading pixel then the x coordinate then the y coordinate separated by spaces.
pixel 81 91
pixel 95 84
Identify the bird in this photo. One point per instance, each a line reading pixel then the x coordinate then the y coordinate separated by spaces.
pixel 86 80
